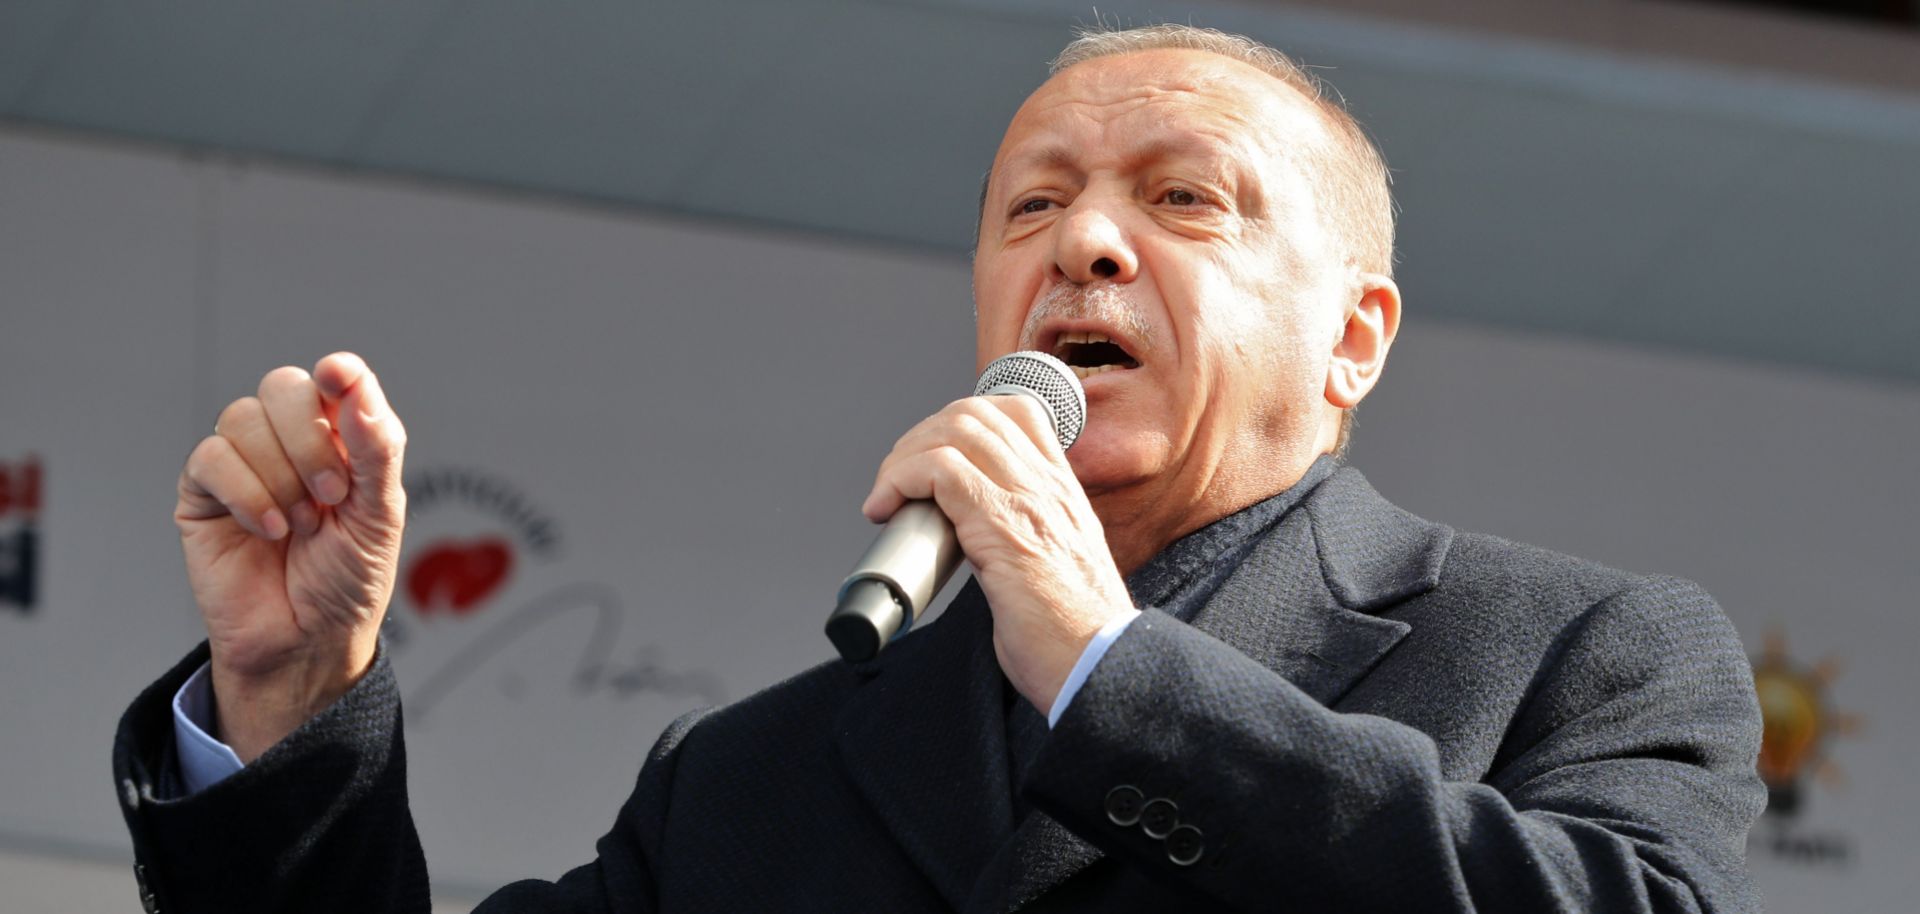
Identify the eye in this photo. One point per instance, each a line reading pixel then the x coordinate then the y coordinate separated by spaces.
pixel 1181 196
pixel 1034 205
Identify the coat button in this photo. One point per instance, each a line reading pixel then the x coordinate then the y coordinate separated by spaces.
pixel 1158 817
pixel 1123 805
pixel 148 902
pixel 1184 846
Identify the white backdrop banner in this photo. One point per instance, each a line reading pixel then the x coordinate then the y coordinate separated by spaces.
pixel 639 446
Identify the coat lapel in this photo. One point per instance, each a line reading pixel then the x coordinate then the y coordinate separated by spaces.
pixel 1306 602
pixel 1042 854
pixel 924 742
pixel 1302 604
pixel 1279 610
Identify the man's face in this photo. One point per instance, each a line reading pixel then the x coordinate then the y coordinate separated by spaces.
pixel 1161 200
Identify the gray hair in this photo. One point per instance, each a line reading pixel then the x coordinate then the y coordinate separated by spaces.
pixel 1352 186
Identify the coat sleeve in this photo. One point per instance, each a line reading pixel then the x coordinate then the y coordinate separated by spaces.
pixel 1626 782
pixel 320 821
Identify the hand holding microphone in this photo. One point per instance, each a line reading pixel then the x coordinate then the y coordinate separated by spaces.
pixel 994 465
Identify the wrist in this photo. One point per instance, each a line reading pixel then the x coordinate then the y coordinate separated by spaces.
pixel 1095 651
pixel 254 711
pixel 1051 667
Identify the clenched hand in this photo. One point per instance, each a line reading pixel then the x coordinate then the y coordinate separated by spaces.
pixel 290 515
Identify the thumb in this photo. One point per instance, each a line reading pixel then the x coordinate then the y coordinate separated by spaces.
pixel 370 431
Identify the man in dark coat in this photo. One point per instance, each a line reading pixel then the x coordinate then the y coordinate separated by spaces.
pixel 1200 666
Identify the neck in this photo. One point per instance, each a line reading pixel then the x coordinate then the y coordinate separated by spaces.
pixel 1140 521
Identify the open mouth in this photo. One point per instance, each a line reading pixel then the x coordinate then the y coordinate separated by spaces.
pixel 1091 352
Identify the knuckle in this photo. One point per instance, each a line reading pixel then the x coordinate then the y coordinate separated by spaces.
pixel 381 450
pixel 968 408
pixel 948 459
pixel 239 413
pixel 394 443
pixel 970 424
pixel 285 379
pixel 205 455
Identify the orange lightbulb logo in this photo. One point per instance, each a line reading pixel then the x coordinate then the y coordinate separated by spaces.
pixel 1797 723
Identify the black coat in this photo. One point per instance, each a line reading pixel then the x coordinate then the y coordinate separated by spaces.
pixel 1373 713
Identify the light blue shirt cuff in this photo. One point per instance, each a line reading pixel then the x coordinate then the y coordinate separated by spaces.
pixel 204 761
pixel 1096 649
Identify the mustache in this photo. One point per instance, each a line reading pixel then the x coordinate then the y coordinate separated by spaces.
pixel 1106 302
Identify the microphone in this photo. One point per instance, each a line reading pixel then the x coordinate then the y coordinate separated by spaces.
pixel 917 552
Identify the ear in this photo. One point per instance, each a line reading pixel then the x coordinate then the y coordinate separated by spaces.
pixel 1360 353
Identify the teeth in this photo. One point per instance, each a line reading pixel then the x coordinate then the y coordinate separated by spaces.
pixel 1083 372
pixel 1084 336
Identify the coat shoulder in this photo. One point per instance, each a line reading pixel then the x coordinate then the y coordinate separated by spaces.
pixel 1490 569
pixel 1485 565
pixel 801 703
pixel 1565 607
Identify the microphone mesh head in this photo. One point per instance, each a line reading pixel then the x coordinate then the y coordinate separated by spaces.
pixel 1045 378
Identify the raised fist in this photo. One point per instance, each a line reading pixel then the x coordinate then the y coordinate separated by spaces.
pixel 290 515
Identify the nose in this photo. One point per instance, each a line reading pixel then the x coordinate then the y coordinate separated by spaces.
pixel 1090 246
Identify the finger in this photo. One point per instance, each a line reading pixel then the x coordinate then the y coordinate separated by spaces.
pixel 985 438
pixel 369 429
pixel 218 481
pixel 942 474
pixel 304 433
pixel 244 423
pixel 1010 437
pixel 1022 422
pixel 1017 419
pixel 1032 419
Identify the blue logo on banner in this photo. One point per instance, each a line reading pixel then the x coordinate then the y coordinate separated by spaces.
pixel 19 542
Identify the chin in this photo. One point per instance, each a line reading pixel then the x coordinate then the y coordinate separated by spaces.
pixel 1107 458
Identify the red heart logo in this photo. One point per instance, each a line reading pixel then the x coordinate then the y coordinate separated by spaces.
pixel 459 575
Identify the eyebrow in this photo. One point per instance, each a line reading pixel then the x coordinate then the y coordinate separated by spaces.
pixel 1181 145
pixel 1054 156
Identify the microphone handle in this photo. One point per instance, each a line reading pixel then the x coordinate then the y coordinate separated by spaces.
pixel 893 583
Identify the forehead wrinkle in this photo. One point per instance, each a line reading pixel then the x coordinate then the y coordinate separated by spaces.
pixel 1215 146
pixel 1110 100
pixel 1115 92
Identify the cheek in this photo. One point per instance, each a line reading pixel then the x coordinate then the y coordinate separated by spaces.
pixel 1238 326
pixel 998 313
pixel 1263 342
